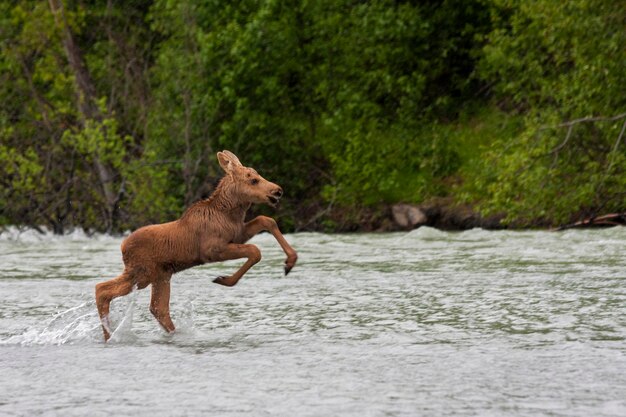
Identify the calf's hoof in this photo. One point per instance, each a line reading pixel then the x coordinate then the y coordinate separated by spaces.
pixel 223 281
pixel 290 262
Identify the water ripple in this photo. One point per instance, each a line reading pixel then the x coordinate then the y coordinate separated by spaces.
pixel 419 323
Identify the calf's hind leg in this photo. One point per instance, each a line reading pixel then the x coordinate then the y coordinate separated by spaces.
pixel 160 304
pixel 105 293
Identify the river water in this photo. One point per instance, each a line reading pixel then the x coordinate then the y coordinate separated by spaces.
pixel 424 323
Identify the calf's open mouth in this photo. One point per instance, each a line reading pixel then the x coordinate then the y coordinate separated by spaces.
pixel 273 200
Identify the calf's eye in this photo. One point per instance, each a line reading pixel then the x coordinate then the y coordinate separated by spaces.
pixel 254 181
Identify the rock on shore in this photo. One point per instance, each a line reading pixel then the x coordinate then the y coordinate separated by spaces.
pixel 442 214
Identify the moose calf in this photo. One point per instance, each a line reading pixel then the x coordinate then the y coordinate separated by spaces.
pixel 211 230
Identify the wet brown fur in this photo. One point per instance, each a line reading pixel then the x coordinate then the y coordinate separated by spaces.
pixel 211 230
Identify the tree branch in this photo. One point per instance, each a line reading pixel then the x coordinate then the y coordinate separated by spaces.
pixel 585 120
pixel 562 145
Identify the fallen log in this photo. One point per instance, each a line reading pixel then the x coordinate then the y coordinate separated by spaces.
pixel 606 220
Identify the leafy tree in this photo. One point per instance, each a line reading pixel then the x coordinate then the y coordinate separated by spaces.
pixel 559 64
pixel 111 113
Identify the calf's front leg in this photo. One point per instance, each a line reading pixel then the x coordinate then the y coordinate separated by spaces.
pixel 237 251
pixel 264 223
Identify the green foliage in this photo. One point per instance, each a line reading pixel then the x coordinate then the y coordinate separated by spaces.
pixel 556 61
pixel 384 72
pixel 348 105
pixel 560 55
pixel 149 198
pixel 535 181
pixel 378 165
pixel 98 140
pixel 20 173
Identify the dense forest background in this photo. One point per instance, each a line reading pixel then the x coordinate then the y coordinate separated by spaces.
pixel 111 112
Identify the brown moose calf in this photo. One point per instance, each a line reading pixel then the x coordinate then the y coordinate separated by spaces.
pixel 211 230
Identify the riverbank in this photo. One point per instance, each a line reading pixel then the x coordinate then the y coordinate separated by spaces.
pixel 442 214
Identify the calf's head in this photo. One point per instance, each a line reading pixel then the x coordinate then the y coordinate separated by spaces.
pixel 246 183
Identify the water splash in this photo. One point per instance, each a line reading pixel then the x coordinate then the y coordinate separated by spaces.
pixel 184 320
pixel 75 325
pixel 80 324
pixel 124 331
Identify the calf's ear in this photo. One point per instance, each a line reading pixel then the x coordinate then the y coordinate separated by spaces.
pixel 228 161
pixel 232 157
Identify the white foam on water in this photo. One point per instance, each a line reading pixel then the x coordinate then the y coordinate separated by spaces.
pixel 425 233
pixel 80 324
pixel 75 325
pixel 184 320
pixel 186 331
pixel 30 235
pixel 123 333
